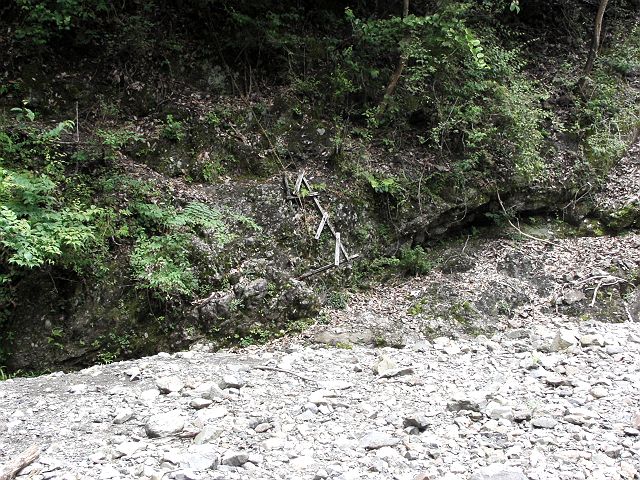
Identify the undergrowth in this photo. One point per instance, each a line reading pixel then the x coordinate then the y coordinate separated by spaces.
pixel 54 214
pixel 611 108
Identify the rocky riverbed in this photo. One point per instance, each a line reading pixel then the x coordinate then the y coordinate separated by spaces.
pixel 544 391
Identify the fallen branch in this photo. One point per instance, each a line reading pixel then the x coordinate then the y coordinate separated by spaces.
pixel 505 284
pixel 465 244
pixel 282 370
pixel 13 467
pixel 202 301
pixel 603 278
pixel 595 293
pixel 543 240
pixel 604 283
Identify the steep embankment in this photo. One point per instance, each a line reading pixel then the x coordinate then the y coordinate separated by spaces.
pixel 256 293
pixel 503 362
pixel 142 154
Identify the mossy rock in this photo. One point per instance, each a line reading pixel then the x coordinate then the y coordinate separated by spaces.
pixel 625 217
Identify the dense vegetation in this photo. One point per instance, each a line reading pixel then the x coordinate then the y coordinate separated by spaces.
pixel 487 92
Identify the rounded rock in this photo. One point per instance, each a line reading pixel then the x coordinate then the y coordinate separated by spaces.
pixel 164 424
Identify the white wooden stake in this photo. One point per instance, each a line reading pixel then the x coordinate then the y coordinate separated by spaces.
pixel 296 188
pixel 325 217
pixel 338 244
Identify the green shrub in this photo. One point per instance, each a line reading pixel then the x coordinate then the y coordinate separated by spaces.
pixel 161 263
pixel 337 300
pixel 384 184
pixel 611 109
pixel 44 19
pixel 173 129
pixel 623 57
pixel 32 237
pixel 415 261
pixel 37 226
pixel 461 93
pixel 117 139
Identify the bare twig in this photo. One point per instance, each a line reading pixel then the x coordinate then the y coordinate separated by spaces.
pixel 602 281
pixel 576 199
pixel 77 125
pixel 626 309
pixel 606 279
pixel 505 284
pixel 595 293
pixel 465 244
pixel 202 301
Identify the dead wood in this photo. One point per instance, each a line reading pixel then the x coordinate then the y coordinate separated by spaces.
pixel 13 467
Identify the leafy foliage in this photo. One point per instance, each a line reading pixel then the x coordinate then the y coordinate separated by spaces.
pixel 35 226
pixel 116 139
pixel 383 185
pixel 481 108
pixel 48 217
pixel 161 263
pixel 415 261
pixel 44 19
pixel 34 231
pixel 173 129
pixel 612 109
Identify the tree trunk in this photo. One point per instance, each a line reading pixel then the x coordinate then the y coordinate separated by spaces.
pixel 395 78
pixel 595 42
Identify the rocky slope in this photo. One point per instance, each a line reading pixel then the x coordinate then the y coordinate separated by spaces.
pixel 619 202
pixel 549 391
pixel 517 358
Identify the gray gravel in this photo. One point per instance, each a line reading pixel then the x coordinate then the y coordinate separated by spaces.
pixel 511 411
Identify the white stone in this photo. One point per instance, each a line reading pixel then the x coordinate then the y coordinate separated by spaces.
pixel 199 403
pixel 126 449
pixel 149 396
pixel 385 364
pixel 373 440
pixel 235 458
pixel 123 415
pixel 563 340
pixel 498 471
pixel 589 340
pixel 302 462
pixel 231 381
pixel 164 424
pixel 169 384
